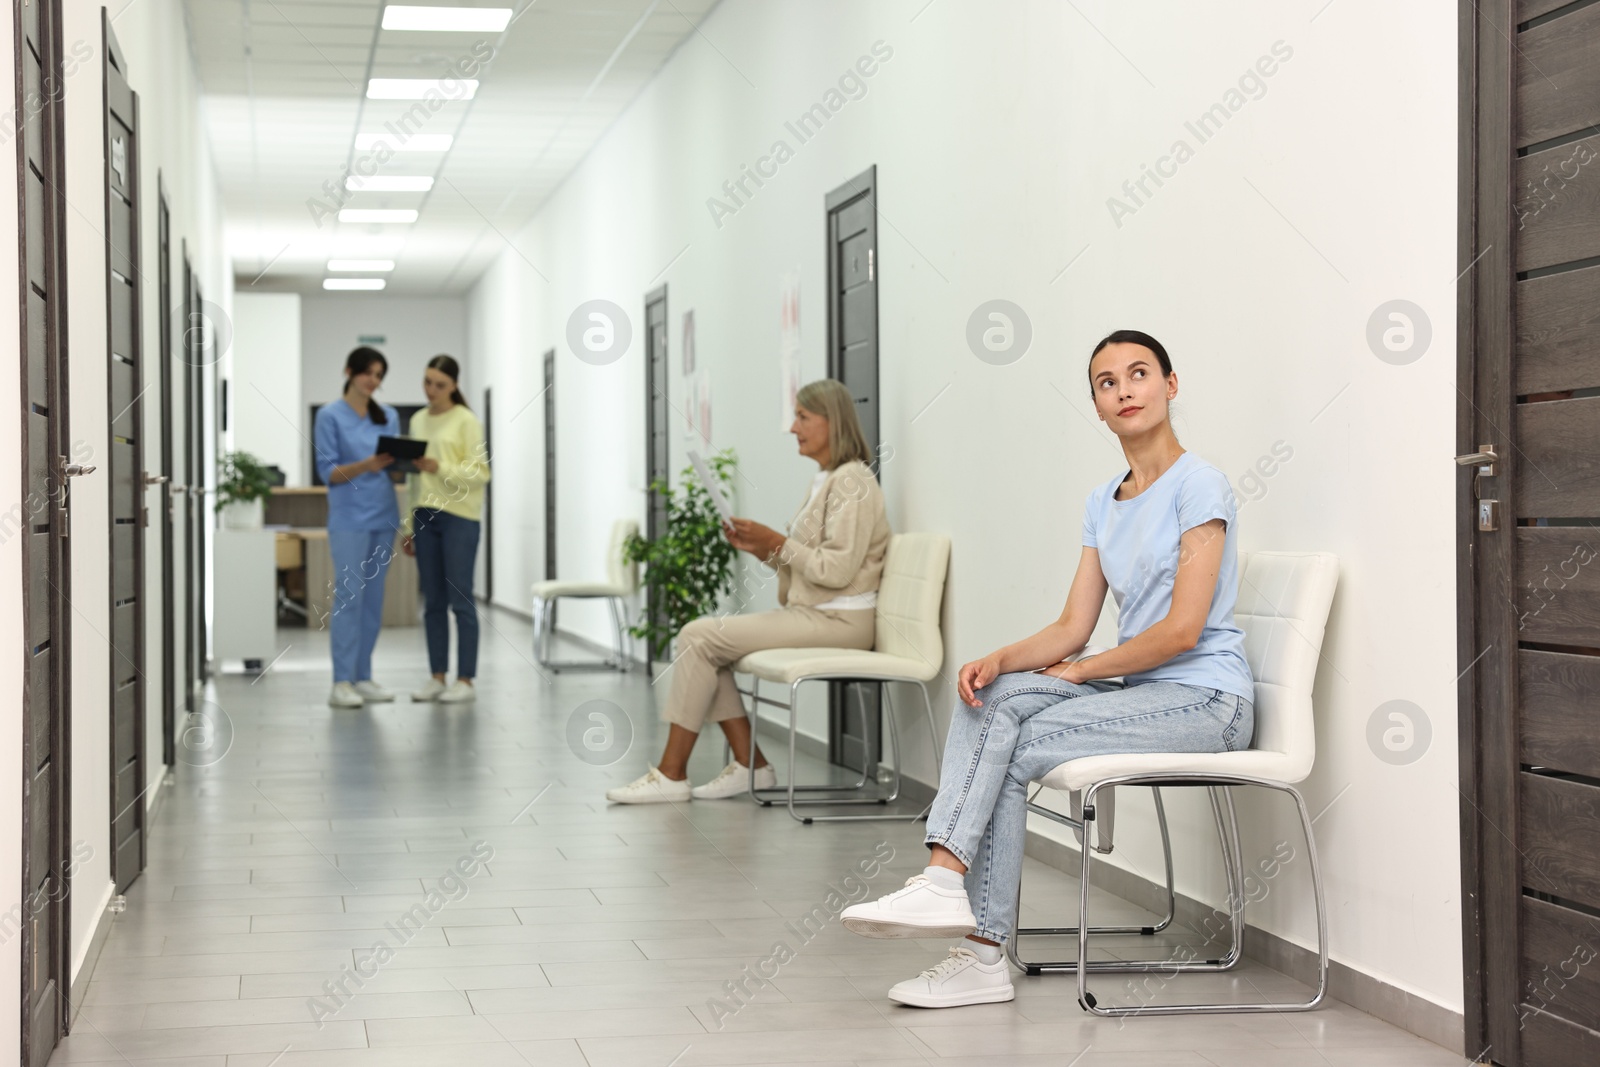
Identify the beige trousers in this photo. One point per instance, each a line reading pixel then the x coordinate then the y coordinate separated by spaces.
pixel 702 684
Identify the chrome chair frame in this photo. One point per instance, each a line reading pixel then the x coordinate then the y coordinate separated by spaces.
pixel 544 617
pixel 1219 787
pixel 753 713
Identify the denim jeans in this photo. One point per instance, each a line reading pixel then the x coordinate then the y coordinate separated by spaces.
pixel 447 552
pixel 360 561
pixel 1028 725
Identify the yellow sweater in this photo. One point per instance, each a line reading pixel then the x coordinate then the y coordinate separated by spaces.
pixel 455 439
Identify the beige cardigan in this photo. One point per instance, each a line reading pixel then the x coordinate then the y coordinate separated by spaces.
pixel 837 541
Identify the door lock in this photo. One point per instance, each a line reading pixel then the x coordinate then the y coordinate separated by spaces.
pixel 1488 516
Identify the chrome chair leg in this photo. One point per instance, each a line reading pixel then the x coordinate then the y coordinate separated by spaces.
pixel 1013 946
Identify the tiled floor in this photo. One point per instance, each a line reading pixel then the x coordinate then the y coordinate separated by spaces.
pixel 297 838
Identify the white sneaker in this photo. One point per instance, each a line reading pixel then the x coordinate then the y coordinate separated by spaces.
pixel 344 695
pixel 735 781
pixel 921 909
pixel 458 693
pixel 373 693
pixel 430 691
pixel 960 978
pixel 652 787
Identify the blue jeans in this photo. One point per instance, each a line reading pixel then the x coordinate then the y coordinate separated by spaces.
pixel 1030 724
pixel 360 561
pixel 447 551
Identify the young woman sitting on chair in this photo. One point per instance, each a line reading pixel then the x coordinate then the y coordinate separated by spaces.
pixel 1160 536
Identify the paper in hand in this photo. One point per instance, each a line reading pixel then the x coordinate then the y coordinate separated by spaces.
pixel 711 486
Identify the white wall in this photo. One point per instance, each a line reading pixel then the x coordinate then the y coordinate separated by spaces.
pixel 154 43
pixel 268 420
pixel 1000 132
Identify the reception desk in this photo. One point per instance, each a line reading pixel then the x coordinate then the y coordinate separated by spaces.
pixel 307 565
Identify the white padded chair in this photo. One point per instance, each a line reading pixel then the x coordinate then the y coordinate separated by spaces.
pixel 622 580
pixel 1283 604
pixel 907 647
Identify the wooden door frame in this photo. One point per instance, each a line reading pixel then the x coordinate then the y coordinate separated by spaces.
pixel 655 296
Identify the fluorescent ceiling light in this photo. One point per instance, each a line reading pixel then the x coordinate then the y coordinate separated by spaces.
pixel 417 142
pixel 353 283
pixel 416 88
pixel 467 19
pixel 361 264
pixel 390 183
pixel 377 214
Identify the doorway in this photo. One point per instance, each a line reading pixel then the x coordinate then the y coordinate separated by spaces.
pixel 1528 547
pixel 125 372
pixel 44 521
pixel 550 465
pixel 657 458
pixel 855 718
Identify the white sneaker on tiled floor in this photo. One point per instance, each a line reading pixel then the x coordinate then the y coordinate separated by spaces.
pixel 921 909
pixel 373 693
pixel 735 781
pixel 960 978
pixel 459 693
pixel 652 787
pixel 344 695
pixel 430 691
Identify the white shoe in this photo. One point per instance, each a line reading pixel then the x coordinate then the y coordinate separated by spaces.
pixel 373 693
pixel 459 693
pixel 960 978
pixel 430 691
pixel 921 909
pixel 652 787
pixel 735 781
pixel 344 695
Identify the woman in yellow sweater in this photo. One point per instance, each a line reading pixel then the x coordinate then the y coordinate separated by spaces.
pixel 442 527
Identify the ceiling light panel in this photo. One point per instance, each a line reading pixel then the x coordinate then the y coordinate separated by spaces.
pixel 416 142
pixel 378 214
pixel 416 88
pixel 447 19
pixel 371 266
pixel 389 183
pixel 367 284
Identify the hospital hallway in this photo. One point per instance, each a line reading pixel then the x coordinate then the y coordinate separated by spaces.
pixel 296 838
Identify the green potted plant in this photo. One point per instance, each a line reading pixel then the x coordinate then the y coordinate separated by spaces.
pixel 689 568
pixel 242 489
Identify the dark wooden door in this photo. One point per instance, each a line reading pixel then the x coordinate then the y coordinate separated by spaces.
pixel 124 293
pixel 163 516
pixel 198 355
pixel 550 465
pixel 657 420
pixel 43 522
pixel 1530 586
pixel 855 735
pixel 187 500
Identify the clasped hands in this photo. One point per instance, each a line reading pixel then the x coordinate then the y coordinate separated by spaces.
pixel 980 672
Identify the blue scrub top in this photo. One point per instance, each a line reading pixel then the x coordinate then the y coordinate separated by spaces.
pixel 368 501
pixel 1138 541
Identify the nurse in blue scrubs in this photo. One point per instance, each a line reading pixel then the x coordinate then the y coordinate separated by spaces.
pixel 363 517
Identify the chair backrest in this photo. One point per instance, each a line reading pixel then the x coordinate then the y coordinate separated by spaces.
pixel 1283 604
pixel 910 594
pixel 618 572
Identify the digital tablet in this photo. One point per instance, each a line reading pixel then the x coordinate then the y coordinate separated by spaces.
pixel 405 450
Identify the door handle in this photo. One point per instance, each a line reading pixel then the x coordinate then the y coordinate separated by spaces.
pixel 1484 459
pixel 73 470
pixel 154 479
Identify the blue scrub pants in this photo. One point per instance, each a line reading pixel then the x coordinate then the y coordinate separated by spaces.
pixel 360 561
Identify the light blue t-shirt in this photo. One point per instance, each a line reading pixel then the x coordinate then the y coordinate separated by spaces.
pixel 1138 542
pixel 368 501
